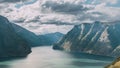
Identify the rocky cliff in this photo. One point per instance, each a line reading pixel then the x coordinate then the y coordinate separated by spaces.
pixel 11 44
pixel 94 38
pixel 115 64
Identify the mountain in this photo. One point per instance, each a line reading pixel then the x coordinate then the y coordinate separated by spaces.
pixel 29 36
pixel 94 38
pixel 50 39
pixel 11 44
pixel 37 40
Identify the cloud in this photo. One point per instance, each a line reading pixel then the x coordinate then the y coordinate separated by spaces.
pixel 59 12
pixel 104 1
pixel 45 28
pixel 20 20
pixel 110 1
pixel 62 11
pixel 12 1
pixel 24 13
pixel 64 6
pixel 108 13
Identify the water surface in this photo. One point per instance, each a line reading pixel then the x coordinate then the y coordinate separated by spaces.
pixel 45 57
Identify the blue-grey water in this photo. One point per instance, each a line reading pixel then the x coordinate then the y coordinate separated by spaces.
pixel 46 57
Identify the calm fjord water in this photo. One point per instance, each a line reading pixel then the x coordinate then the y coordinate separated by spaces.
pixel 45 57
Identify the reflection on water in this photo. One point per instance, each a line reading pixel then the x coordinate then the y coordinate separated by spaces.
pixel 82 64
pixel 45 57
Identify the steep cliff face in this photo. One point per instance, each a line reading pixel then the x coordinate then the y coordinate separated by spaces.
pixel 11 44
pixel 94 38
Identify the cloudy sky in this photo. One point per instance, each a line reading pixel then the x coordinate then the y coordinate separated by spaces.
pixel 46 16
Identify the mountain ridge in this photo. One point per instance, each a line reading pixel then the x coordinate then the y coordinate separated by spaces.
pixel 37 40
pixel 95 38
pixel 11 44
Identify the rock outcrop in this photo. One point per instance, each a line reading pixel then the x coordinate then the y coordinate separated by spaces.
pixel 115 64
pixel 11 44
pixel 94 38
